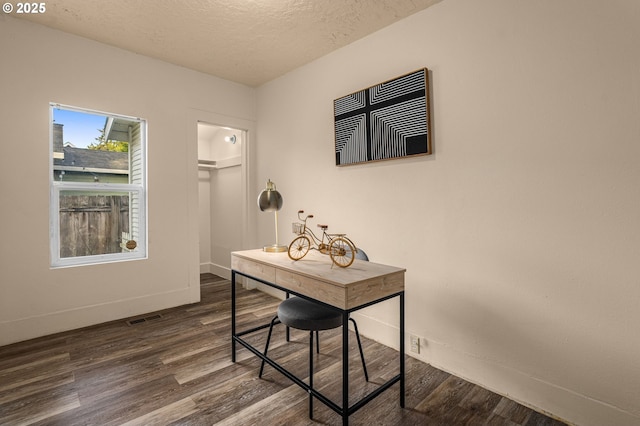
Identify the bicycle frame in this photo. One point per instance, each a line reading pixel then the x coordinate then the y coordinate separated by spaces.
pixel 319 242
pixel 337 246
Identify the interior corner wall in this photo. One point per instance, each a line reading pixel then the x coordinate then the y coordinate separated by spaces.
pixel 226 217
pixel 40 65
pixel 220 218
pixel 520 234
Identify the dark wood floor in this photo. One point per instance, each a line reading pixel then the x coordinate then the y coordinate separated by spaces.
pixel 176 369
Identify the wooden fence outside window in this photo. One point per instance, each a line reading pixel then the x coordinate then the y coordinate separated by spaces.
pixel 92 224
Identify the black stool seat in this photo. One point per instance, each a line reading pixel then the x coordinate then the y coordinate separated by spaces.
pixel 304 314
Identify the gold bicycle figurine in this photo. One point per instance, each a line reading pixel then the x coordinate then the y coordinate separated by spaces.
pixel 341 249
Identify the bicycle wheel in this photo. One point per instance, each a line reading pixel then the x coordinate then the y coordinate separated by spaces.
pixel 342 252
pixel 299 247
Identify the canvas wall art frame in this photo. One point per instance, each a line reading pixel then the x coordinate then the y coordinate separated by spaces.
pixel 387 121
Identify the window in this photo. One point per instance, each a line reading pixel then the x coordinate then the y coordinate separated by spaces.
pixel 98 187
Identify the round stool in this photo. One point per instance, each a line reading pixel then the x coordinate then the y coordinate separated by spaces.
pixel 303 314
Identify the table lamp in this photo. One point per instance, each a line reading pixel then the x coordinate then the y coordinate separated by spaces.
pixel 270 200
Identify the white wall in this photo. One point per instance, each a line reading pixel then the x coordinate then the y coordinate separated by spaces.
pixel 520 235
pixel 205 133
pixel 226 217
pixel 204 219
pixel 40 65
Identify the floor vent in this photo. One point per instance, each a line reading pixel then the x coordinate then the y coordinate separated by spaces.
pixel 142 320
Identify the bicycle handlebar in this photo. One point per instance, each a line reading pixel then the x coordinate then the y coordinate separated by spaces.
pixel 305 219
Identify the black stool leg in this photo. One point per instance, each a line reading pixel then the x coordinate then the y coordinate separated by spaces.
pixel 317 342
pixel 311 373
pixel 266 347
pixel 364 365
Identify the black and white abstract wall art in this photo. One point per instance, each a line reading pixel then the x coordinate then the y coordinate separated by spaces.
pixel 386 121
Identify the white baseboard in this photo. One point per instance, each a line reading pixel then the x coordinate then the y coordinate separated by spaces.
pixel 215 269
pixel 225 272
pixel 55 322
pixel 551 399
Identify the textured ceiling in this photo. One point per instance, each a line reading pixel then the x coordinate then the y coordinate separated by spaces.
pixel 247 41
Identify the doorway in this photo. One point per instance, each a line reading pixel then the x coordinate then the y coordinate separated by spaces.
pixel 221 180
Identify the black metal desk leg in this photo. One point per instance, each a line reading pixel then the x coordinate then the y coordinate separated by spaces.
pixel 311 373
pixel 233 315
pixel 402 367
pixel 345 368
pixel 288 334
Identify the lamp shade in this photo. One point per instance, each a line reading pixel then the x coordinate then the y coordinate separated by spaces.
pixel 270 199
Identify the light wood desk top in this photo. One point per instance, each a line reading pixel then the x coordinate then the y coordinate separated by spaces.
pixel 315 276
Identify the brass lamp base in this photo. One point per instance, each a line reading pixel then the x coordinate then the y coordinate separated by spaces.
pixel 275 249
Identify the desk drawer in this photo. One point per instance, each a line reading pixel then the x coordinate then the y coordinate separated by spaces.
pixel 325 292
pixel 255 269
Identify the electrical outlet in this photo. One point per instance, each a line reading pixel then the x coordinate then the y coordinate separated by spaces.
pixel 415 343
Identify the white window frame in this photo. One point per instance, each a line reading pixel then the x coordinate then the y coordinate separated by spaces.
pixel 133 188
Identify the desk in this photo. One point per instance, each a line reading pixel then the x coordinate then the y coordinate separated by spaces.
pixel 313 277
